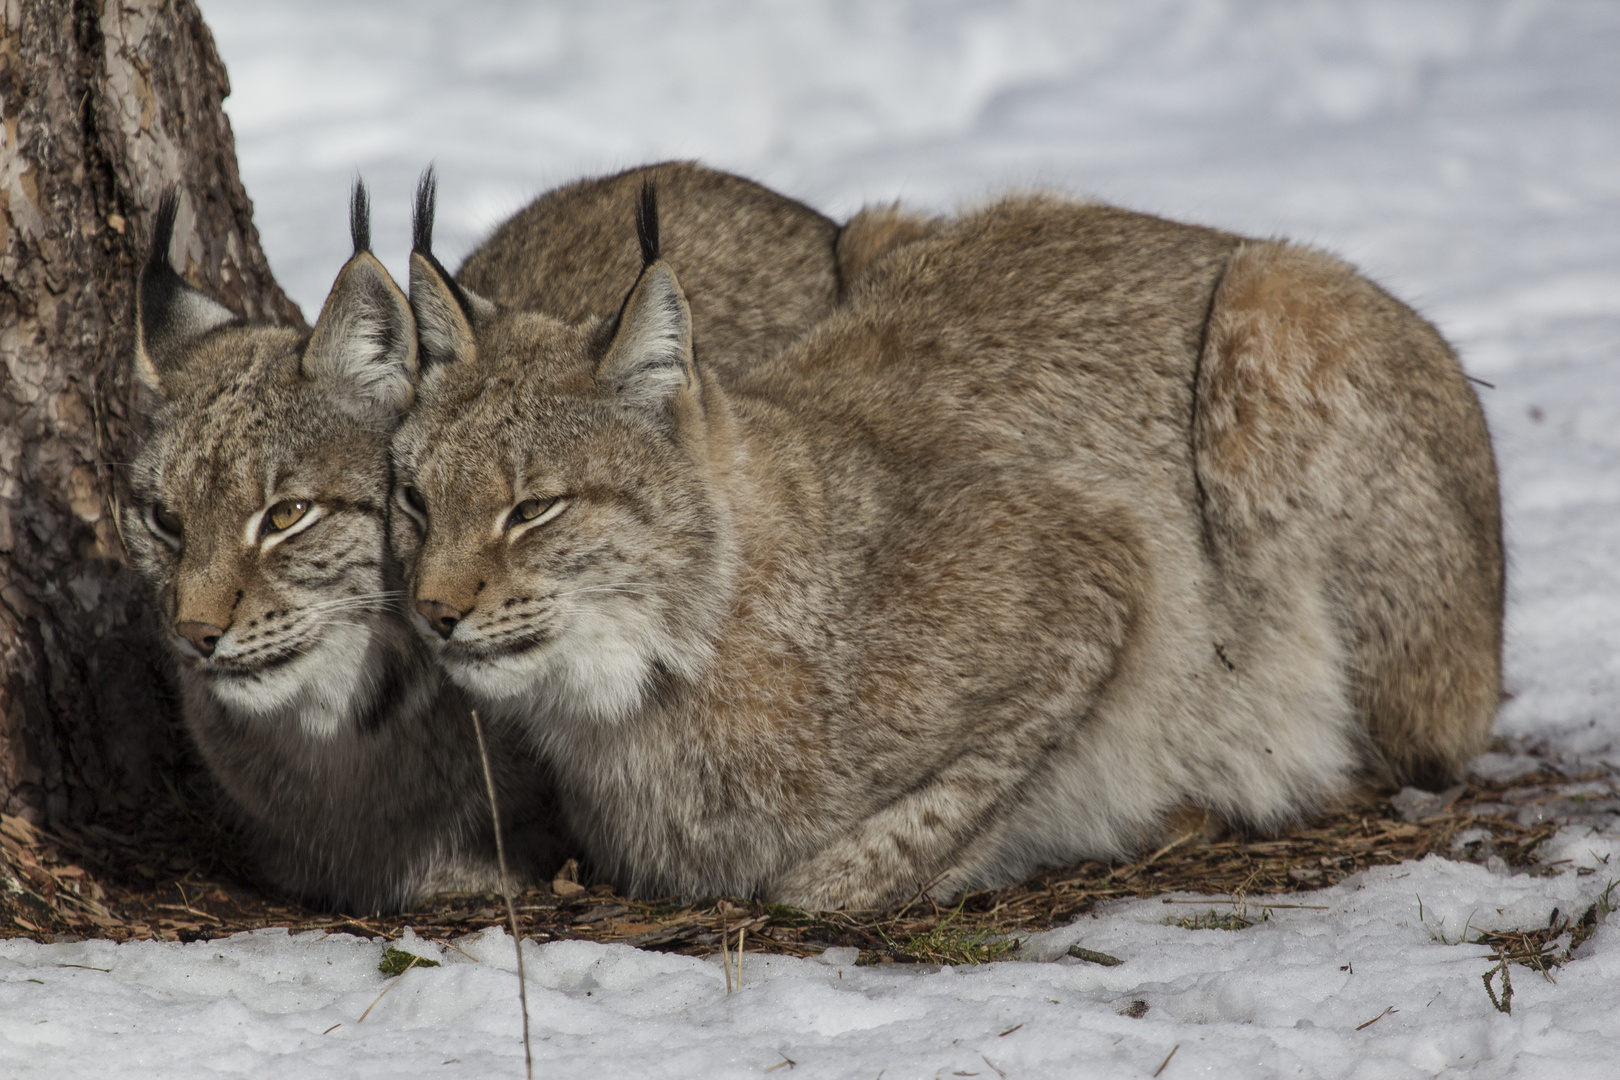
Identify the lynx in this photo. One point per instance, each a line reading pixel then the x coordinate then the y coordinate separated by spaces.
pixel 259 515
pixel 260 511
pixel 1068 521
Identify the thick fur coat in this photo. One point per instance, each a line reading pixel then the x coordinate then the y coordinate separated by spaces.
pixel 1069 519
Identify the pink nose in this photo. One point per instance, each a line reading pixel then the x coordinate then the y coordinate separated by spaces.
pixel 203 636
pixel 442 617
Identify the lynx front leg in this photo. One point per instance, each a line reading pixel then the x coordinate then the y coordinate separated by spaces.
pixel 910 844
pixel 1026 666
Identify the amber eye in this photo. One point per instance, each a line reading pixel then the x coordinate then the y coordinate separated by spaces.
pixel 531 509
pixel 284 515
pixel 166 519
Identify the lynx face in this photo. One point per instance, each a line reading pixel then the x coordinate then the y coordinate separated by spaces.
pixel 261 518
pixel 574 565
pixel 260 501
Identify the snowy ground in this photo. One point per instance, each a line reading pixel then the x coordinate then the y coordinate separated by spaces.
pixel 1466 154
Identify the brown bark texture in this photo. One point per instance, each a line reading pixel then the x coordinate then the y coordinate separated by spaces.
pixel 103 103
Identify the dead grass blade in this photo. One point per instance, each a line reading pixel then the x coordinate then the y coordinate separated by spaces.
pixel 506 891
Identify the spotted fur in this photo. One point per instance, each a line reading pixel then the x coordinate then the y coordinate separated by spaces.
pixel 1069 519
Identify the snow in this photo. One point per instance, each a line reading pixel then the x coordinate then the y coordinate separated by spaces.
pixel 1466 154
pixel 1282 998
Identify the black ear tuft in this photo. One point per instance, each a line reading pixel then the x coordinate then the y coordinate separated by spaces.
pixel 647 223
pixel 168 208
pixel 427 194
pixel 170 313
pixel 159 282
pixel 360 217
pixel 162 290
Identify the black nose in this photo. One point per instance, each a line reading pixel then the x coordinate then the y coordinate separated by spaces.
pixel 203 636
pixel 442 617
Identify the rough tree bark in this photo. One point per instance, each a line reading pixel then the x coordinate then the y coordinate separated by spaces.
pixel 102 104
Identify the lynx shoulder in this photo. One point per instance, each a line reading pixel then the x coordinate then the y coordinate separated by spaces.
pixel 1067 520
pixel 258 514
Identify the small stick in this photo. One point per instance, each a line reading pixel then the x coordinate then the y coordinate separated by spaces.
pixel 1094 957
pixel 1166 1060
pixel 460 950
pixel 506 891
pixel 921 889
pixel 740 933
pixel 182 891
pixel 725 953
pixel 382 995
pixel 1377 1018
pixel 1229 903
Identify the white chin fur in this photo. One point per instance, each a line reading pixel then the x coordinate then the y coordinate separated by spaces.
pixel 320 686
pixel 593 672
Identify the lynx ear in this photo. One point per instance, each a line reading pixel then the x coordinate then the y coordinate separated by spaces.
pixel 445 310
pixel 651 354
pixel 650 358
pixel 365 339
pixel 169 313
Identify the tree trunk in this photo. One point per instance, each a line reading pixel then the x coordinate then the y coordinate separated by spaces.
pixel 103 105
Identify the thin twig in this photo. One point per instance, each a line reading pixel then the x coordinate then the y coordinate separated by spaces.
pixel 1256 903
pixel 921 889
pixel 1374 1020
pixel 1132 871
pixel 506 891
pixel 459 949
pixel 725 952
pixel 1166 1060
pixel 181 889
pixel 392 983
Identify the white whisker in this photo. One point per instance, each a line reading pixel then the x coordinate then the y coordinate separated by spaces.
pixel 626 587
pixel 367 600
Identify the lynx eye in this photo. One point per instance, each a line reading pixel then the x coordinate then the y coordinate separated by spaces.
pixel 285 514
pixel 166 519
pixel 535 511
pixel 414 500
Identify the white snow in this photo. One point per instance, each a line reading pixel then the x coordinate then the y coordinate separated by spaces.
pixel 1282 998
pixel 1466 154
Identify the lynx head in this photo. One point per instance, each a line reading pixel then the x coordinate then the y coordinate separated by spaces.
pixel 563 540
pixel 260 500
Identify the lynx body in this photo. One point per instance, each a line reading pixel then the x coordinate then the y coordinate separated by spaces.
pixel 1068 520
pixel 260 511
